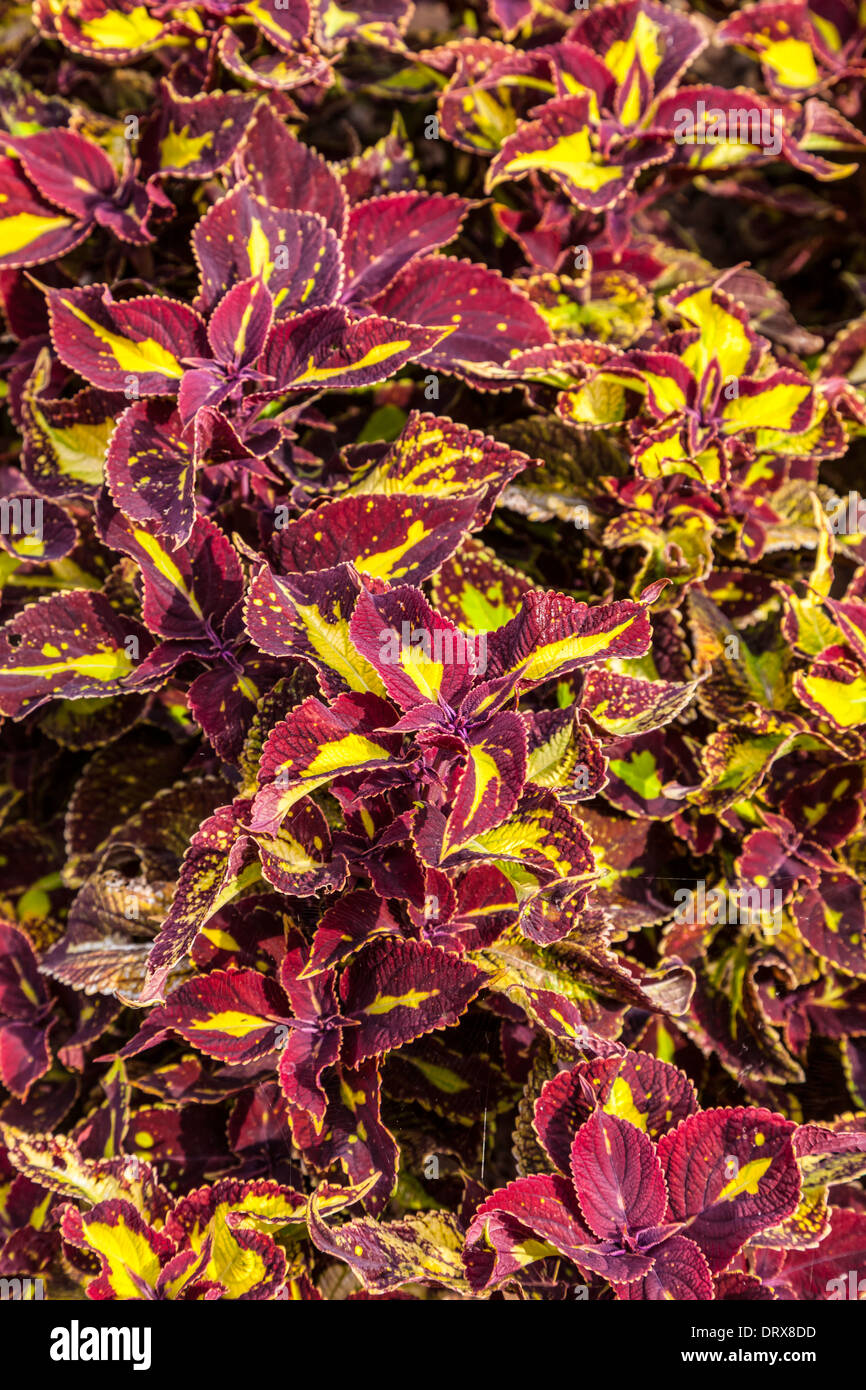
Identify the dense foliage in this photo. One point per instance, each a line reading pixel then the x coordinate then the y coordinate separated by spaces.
pixel 433 649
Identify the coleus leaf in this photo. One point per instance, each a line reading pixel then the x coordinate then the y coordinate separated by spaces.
pixel 827 807
pixel 161 828
pixel 105 950
pixel 618 1180
pixel 398 991
pixel 194 137
pixel 132 1253
pixel 554 634
pixel 680 1271
pixel 249 933
pixel 188 589
pixel 220 864
pixel 240 324
pixel 76 175
pixel 285 173
pixel 729 1175
pixel 65 440
pixel 850 614
pixel 312 1046
pixel 643 34
pixel 424 1247
pixel 540 844
pixel 652 1095
pixel 314 745
pixel 232 1221
pixel 54 1163
pixel 279 71
pixel 824 1272
pixel 104 798
pixel 534 1218
pixel 307 616
pixel 384 234
pixel 476 590
pixel 436 663
pixel 231 1015
pixel 804 1227
pixel 491 783
pixel 137 345
pixel 346 926
pixel 526 1221
pixel 70 646
pixel 434 456
pixel 45 113
pixel 103 31
pixel 510 14
pixel 324 349
pixel 445 1080
pixel 385 167
pixel 352 1134
pixel 741 1288
pixel 380 21
pixel 32 230
pixel 298 860
pixel 394 537
pixel 489 85
pixel 113 966
pixel 834 688
pixel 190 1139
pixel 831 917
pixel 150 471
pixel 623 705
pixel 25 1021
pixel 487 318
pixel 564 755
pixel 561 142
pixel 53 538
pixel 102 1133
pixel 711 120
pixel 650 774
pixel 799 49
pixel 296 254
pixel 828 1156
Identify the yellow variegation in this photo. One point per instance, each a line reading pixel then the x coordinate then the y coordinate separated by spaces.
pixel 573 157
pixel 723 338
pixel 844 703
pixel 791 60
pixel 125 1252
pixel 645 44
pixel 22 229
pixel 179 148
pixel 140 355
pixel 373 357
pixel 778 406
pixel 549 657
pixel 114 29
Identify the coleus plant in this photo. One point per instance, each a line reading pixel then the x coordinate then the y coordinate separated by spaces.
pixel 803 48
pixel 613 109
pixel 433 603
pixel 714 403
pixel 651 1193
